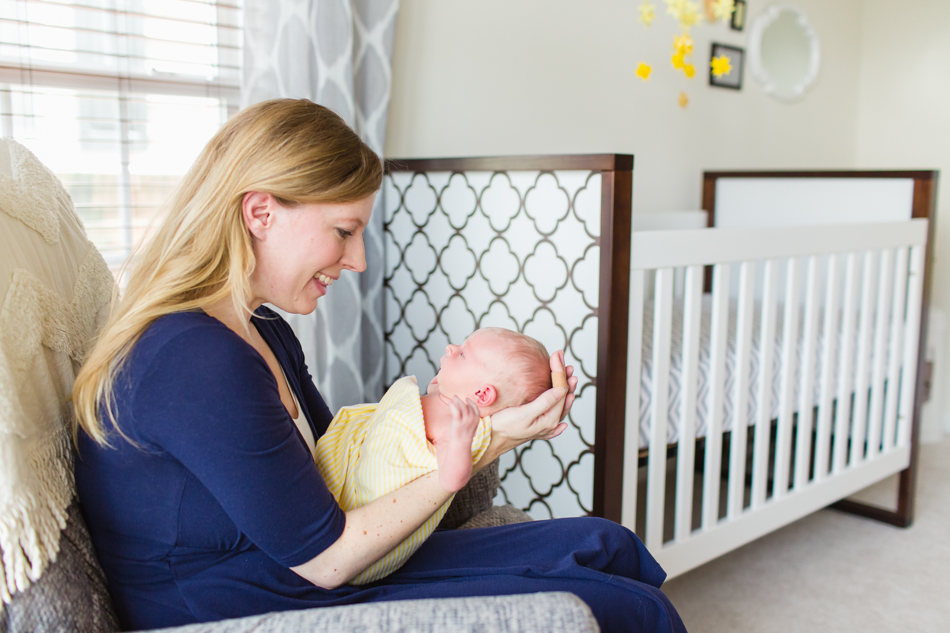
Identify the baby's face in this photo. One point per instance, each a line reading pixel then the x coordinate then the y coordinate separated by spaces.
pixel 468 368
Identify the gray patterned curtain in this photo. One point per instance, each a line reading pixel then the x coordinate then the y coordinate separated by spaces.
pixel 337 53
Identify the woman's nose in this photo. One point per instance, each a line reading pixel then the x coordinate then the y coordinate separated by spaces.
pixel 355 255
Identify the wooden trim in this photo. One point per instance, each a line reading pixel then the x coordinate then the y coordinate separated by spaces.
pixel 870 511
pixel 709 205
pixel 916 174
pixel 613 313
pixel 599 162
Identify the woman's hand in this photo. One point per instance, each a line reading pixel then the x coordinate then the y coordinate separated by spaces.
pixel 541 419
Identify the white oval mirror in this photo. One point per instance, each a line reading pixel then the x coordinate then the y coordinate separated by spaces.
pixel 783 52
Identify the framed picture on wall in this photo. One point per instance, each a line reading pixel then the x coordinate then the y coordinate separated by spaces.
pixel 738 15
pixel 725 66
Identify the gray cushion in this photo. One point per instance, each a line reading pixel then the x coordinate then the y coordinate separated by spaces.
pixel 476 497
pixel 538 612
pixel 496 515
pixel 70 595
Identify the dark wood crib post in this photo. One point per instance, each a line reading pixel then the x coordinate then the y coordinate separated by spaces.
pixel 616 208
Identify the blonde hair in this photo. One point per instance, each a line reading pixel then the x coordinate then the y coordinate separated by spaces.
pixel 293 149
pixel 526 371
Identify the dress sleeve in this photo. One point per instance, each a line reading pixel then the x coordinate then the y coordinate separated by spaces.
pixel 209 400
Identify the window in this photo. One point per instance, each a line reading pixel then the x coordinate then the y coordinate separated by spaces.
pixel 117 98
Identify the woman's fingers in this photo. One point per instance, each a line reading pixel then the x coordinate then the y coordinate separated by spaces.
pixel 533 420
pixel 560 429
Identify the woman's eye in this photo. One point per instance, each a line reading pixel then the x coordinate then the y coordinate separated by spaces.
pixel 344 233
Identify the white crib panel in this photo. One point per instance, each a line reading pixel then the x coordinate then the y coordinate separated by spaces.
pixel 760 451
pixel 737 452
pixel 803 438
pixel 912 342
pixel 717 376
pixel 845 365
pixel 783 440
pixel 886 277
pixel 631 437
pixel 686 448
pixel 826 403
pixel 860 417
pixel 837 294
pixel 891 395
pixel 656 462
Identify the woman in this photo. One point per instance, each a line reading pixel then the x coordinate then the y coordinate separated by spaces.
pixel 198 414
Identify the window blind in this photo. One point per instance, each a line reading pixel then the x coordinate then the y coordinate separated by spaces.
pixel 117 98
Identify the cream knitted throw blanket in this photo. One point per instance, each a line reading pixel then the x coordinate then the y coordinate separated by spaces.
pixel 55 289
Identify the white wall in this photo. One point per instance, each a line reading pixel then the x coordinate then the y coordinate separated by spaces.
pixel 557 76
pixel 903 119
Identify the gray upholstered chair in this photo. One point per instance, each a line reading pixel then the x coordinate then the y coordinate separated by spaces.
pixel 54 293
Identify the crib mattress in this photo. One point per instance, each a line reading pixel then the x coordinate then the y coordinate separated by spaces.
pixel 728 412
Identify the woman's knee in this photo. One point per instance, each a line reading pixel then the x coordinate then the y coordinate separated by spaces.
pixel 610 547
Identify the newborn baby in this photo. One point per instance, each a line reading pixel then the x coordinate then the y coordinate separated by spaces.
pixel 369 450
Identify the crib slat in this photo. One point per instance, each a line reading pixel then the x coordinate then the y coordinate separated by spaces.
pixel 895 349
pixel 845 365
pixel 631 438
pixel 717 379
pixel 880 350
pixel 806 387
pixel 825 405
pixel 783 440
pixel 740 411
pixel 909 372
pixel 659 410
pixel 860 418
pixel 763 422
pixel 686 449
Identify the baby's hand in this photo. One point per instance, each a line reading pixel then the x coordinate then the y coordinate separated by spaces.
pixel 454 453
pixel 464 421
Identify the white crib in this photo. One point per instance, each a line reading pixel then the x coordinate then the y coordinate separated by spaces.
pixel 776 375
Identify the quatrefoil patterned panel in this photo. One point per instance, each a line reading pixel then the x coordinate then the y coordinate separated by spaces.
pixel 515 249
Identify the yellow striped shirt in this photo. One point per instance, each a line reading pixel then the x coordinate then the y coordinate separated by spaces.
pixel 392 436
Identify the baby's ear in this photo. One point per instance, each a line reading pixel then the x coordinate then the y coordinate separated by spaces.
pixel 486 395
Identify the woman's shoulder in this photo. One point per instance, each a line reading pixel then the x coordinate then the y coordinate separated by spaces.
pixel 185 339
pixel 189 326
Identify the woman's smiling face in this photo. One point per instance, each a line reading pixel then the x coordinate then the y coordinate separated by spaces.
pixel 301 250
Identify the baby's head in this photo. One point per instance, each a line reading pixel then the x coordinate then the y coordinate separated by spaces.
pixel 495 367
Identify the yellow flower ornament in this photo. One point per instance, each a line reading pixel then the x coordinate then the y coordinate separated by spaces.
pixel 722 9
pixel 647 13
pixel 720 66
pixel 683 44
pixel 643 71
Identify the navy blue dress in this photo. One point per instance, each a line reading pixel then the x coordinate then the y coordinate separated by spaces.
pixel 201 515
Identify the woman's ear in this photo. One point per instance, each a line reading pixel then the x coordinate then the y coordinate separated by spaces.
pixel 258 210
pixel 486 396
